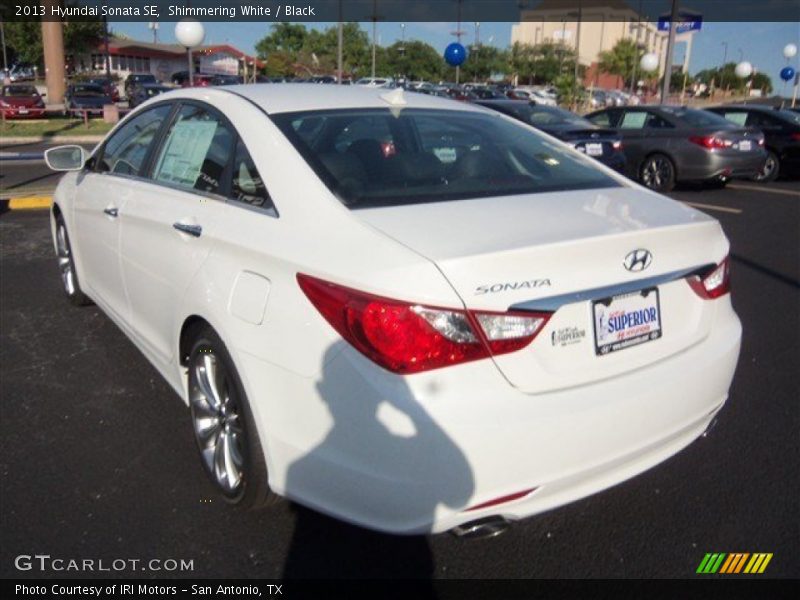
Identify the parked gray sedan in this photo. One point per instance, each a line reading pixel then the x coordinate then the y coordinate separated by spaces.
pixel 667 144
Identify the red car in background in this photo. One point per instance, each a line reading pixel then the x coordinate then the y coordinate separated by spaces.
pixel 109 87
pixel 21 100
pixel 181 78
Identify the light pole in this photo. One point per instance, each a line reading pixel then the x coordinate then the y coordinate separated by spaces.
pixel 340 44
pixel 724 60
pixel 3 41
pixel 673 26
pixel 153 25
pixel 789 52
pixel 190 34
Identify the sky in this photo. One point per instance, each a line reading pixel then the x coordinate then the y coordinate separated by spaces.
pixel 759 43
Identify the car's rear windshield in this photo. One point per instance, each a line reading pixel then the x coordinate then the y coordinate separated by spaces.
pixel 89 90
pixel 11 91
pixel 380 157
pixel 697 118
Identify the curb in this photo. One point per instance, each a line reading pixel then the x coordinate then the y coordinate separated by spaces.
pixel 27 203
pixel 65 139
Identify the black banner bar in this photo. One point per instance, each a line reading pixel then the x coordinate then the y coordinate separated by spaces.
pixel 398 10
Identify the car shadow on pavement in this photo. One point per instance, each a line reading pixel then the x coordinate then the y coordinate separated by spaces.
pixel 396 478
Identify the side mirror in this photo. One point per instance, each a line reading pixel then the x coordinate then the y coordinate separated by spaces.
pixel 65 158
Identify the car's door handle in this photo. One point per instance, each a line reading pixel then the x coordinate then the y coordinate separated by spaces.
pixel 193 230
pixel 111 212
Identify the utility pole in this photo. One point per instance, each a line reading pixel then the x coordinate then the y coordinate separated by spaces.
pixel 340 43
pixel 53 46
pixel 374 32
pixel 577 53
pixel 105 43
pixel 673 25
pixel 3 41
pixel 636 51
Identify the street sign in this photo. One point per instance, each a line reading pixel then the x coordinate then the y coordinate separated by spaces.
pixel 686 22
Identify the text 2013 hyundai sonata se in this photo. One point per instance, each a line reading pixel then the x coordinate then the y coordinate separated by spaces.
pixel 409 313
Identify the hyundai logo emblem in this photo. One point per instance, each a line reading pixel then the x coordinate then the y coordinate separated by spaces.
pixel 638 260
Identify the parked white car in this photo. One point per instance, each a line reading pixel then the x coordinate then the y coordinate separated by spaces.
pixel 406 312
pixel 375 82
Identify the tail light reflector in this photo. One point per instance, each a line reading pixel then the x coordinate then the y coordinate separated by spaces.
pixel 710 142
pixel 617 145
pixel 502 499
pixel 405 338
pixel 715 283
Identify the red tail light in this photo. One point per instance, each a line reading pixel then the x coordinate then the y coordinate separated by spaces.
pixel 713 284
pixel 796 136
pixel 710 142
pixel 408 338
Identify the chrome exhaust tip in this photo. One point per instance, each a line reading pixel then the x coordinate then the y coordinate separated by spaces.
pixel 487 527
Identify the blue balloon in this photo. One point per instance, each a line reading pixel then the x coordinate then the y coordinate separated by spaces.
pixel 455 54
pixel 787 73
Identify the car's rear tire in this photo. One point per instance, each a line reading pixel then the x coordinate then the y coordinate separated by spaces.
pixel 223 424
pixel 770 170
pixel 658 173
pixel 66 266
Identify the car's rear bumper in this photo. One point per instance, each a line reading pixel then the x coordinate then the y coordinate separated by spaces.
pixel 709 165
pixel 413 454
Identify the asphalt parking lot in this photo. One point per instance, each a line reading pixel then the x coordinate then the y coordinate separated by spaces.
pixel 97 458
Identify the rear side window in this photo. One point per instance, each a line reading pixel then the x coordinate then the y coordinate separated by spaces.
pixel 602 119
pixel 380 157
pixel 126 150
pixel 196 152
pixel 739 117
pixel 247 186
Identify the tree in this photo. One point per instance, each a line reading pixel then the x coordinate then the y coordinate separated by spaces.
pixel 725 78
pixel 482 62
pixel 622 60
pixel 24 40
pixel 285 37
pixel 542 63
pixel 413 60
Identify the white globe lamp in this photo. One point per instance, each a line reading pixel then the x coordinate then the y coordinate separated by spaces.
pixel 649 62
pixel 790 51
pixel 744 69
pixel 190 34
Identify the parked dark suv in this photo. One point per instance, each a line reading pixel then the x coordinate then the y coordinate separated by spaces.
pixel 781 129
pixel 136 79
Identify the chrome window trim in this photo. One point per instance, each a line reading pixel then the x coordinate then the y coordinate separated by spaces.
pixel 553 303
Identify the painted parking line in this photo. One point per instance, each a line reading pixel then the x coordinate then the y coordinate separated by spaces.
pixel 735 211
pixel 767 190
pixel 30 202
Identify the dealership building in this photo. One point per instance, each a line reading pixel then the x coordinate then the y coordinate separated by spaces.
pixel 162 60
pixel 601 27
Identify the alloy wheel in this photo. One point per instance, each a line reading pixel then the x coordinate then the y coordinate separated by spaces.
pixel 65 259
pixel 657 172
pixel 217 421
pixel 769 168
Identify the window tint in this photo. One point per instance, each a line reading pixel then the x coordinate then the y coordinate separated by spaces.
pixel 633 119
pixel 126 150
pixel 759 119
pixel 739 117
pixel 696 118
pixel 656 122
pixel 603 119
pixel 247 185
pixel 433 156
pixel 195 152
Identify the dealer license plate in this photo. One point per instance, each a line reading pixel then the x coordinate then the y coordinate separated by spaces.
pixel 594 149
pixel 627 320
pixel 745 145
pixel 23 111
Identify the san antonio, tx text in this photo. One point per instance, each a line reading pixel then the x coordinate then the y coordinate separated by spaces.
pixel 126 589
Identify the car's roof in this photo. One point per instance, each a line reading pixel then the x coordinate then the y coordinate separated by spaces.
pixel 297 97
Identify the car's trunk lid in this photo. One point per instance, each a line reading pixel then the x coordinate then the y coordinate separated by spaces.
pixel 506 252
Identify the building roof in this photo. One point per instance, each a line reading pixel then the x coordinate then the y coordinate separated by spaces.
pixel 118 46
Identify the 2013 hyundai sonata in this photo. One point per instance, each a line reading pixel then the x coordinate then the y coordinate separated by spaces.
pixel 409 313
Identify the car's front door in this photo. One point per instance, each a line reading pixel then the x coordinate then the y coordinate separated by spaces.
pixel 103 191
pixel 169 223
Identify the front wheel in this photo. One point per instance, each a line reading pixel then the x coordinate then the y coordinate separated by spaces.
pixel 770 170
pixel 223 425
pixel 658 173
pixel 66 266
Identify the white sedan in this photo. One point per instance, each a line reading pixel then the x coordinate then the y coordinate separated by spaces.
pixel 407 312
